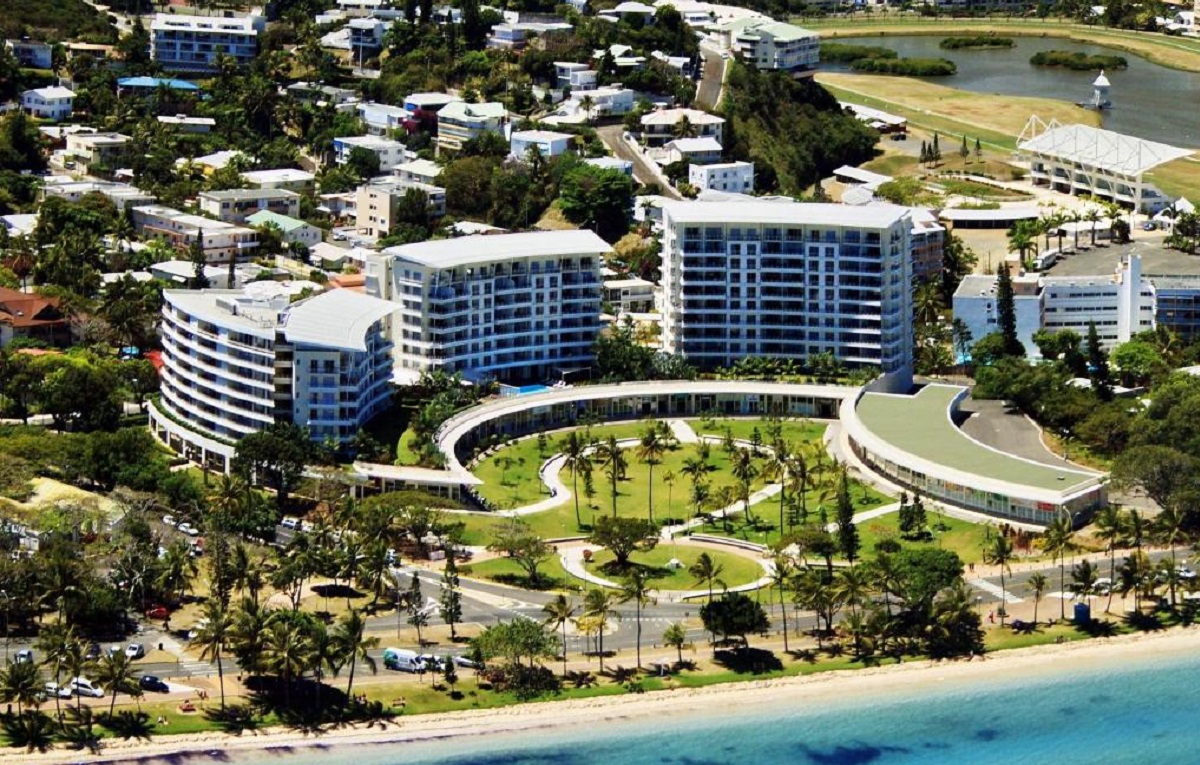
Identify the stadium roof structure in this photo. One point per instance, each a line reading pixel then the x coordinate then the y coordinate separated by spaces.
pixel 1105 150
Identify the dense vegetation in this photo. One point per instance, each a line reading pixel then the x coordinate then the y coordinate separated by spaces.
pixel 844 53
pixel 54 20
pixel 906 67
pixel 793 130
pixel 976 41
pixel 1078 61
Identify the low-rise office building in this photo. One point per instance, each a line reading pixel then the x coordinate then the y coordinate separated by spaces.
pixel 192 43
pixel 513 307
pixel 790 280
pixel 238 361
pixel 234 205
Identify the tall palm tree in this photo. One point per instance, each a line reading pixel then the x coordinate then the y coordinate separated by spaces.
pixel 1093 216
pixel 997 551
pixel 287 652
pixel 675 636
pixel 650 451
pixel 1037 585
pixel 178 568
pixel 77 664
pixel 21 682
pixel 248 635
pixel 1170 528
pixel 211 636
pixel 575 459
pixel 635 586
pixel 1057 542
pixel 707 571
pixel 1110 529
pixel 558 612
pixel 927 302
pixel 744 471
pixel 782 571
pixel 778 469
pixel 598 606
pixel 587 103
pixel 669 479
pixel 54 644
pixel 611 456
pixel 354 645
pixel 115 672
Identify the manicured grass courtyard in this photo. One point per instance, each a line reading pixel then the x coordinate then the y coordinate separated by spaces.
pixel 553 575
pixel 737 569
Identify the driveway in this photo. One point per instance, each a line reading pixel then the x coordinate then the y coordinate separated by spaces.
pixel 708 92
pixel 643 170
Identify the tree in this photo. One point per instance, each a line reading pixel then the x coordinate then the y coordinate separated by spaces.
pixel 1057 542
pixel 1098 364
pixel 782 572
pixel 558 612
pixel 978 151
pixel 635 586
pixel 707 571
pixel 353 645
pixel 734 615
pixel 21 682
pixel 650 451
pixel 523 547
pixel 612 457
pixel 200 280
pixel 847 532
pixel 210 637
pixel 1110 529
pixel 1037 585
pixel 115 673
pixel 963 151
pixel 598 607
pixel 624 536
pixel 275 456
pixel 1006 314
pixel 414 604
pixel 56 643
pixel 997 551
pixel 744 471
pixel 515 641
pixel 451 600
pixel 598 199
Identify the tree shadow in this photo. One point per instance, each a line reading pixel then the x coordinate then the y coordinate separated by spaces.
pixel 748 661
pixel 613 569
pixel 542 583
pixel 235 719
pixel 1143 622
pixel 128 724
pixel 337 591
pixel 805 655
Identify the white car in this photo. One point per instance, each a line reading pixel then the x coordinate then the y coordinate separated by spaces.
pixel 83 687
pixel 135 650
pixel 1103 585
pixel 189 529
pixel 289 522
pixel 170 520
pixel 1185 572
pixel 54 689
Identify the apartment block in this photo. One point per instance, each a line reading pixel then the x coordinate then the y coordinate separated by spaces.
pixel 379 203
pixel 513 307
pixel 390 152
pixel 237 361
pixel 737 177
pixel 772 45
pixel 235 205
pixel 785 279
pixel 459 122
pixel 122 194
pixel 220 241
pixel 659 127
pixel 97 149
pixel 192 43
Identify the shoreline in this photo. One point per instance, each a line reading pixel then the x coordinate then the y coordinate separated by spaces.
pixel 1010 666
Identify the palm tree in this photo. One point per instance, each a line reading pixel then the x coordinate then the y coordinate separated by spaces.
pixel 997 551
pixel 852 586
pixel 1170 528
pixel 1083 578
pixel 669 479
pixel 558 612
pixel 675 636
pixel 178 569
pixel 21 682
pixel 353 644
pixel 1057 542
pixel 650 451
pixel 635 586
pixel 287 651
pixel 1093 216
pixel 927 302
pixel 587 103
pixel 782 571
pixel 707 571
pixel 612 458
pixel 211 636
pixel 76 663
pixel 248 634
pixel 744 470
pixel 778 468
pixel 115 672
pixel 54 644
pixel 1037 585
pixel 1022 237
pixel 684 128
pixel 1110 529
pixel 575 458
pixel 598 606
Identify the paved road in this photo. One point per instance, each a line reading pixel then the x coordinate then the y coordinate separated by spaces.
pixel 709 90
pixel 1009 431
pixel 643 171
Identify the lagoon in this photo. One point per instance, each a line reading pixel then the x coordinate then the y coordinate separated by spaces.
pixel 1149 101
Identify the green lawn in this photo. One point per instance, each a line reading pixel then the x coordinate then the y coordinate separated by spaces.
pixel 968 188
pixel 792 431
pixel 962 537
pixel 554 576
pixel 738 569
pixel 405 453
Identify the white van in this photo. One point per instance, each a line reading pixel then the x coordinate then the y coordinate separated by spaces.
pixel 402 660
pixel 1047 259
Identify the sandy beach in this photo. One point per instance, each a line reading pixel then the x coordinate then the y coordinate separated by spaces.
pixel 1007 666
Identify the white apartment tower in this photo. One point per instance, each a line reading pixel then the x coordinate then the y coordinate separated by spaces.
pixel 786 279
pixel 237 361
pixel 191 43
pixel 513 307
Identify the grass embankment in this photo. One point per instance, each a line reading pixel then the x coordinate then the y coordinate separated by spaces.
pixel 1180 178
pixel 736 569
pixel 1174 52
pixel 994 120
pixel 960 537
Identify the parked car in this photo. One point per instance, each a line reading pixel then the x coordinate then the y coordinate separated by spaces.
pixel 402 660
pixel 152 683
pixel 170 520
pixel 1103 585
pixel 1184 571
pixel 54 689
pixel 289 522
pixel 463 661
pixel 93 652
pixel 81 686
pixel 1149 226
pixel 24 656
pixel 135 650
pixel 157 612
pixel 189 529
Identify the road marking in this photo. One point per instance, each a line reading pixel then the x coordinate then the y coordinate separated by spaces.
pixel 994 589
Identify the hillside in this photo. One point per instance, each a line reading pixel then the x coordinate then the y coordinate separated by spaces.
pixel 54 20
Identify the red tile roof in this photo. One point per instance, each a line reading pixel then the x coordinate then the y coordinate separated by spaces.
pixel 20 309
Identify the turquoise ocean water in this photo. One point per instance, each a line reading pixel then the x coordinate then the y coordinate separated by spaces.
pixel 1142 712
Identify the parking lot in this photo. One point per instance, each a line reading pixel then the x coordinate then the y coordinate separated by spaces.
pixel 1156 258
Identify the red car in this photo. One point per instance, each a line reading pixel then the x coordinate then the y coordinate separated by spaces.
pixel 158 612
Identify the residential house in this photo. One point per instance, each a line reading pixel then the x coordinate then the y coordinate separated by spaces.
pixel 218 160
pixel 316 93
pixel 299 181
pixel 697 151
pixel 382 119
pixel 418 171
pixel 29 315
pixel 629 295
pixel 97 150
pixel 459 122
pixel 295 230
pixel 366 37
pixel 548 143
pixel 186 124
pixel 31 55
pixel 723 176
pixel 379 203
pixel 52 103
pixel 121 194
pixel 235 205
pixel 219 241
pixel 663 125
pixel 424 107
pixel 390 152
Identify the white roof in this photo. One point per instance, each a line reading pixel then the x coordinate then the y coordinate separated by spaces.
pixel 1103 149
pixel 336 319
pixel 448 253
pixel 282 174
pixel 629 6
pixel 54 91
pixel 184 270
pixel 430 99
pixel 795 213
pixel 461 110
pixel 865 177
pixel 369 141
pixel 180 119
pixel 540 135
pixel 689 145
pixel 672 117
pixel 1022 212
pixel 217 160
pixel 426 167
